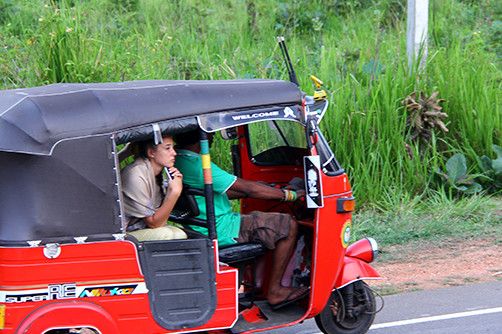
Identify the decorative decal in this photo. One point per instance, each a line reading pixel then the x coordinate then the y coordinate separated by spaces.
pixel 345 236
pixel 217 121
pixel 108 291
pixel 53 292
pixel 255 115
pixel 313 184
pixel 71 290
pixel 22 298
pixel 288 112
pixel 62 291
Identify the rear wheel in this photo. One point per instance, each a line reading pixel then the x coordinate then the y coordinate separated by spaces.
pixel 350 310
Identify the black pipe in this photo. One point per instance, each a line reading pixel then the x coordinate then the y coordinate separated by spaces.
pixel 208 185
pixel 289 65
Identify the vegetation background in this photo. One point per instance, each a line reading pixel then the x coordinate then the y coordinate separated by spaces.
pixel 400 173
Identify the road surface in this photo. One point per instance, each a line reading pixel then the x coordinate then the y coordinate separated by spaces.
pixel 475 308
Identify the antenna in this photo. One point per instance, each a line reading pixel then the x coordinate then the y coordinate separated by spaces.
pixel 289 66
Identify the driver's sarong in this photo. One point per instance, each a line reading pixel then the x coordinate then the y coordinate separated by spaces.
pixel 266 228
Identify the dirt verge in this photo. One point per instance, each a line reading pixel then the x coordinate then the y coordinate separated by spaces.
pixel 431 265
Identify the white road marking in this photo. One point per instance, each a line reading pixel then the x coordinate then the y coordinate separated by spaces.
pixel 436 318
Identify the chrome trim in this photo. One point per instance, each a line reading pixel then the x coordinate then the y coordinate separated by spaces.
pixel 52 251
pixel 374 247
pixel 119 236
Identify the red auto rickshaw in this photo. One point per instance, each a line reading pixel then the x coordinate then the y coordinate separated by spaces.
pixel 67 263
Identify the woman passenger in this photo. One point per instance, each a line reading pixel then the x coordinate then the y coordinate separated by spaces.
pixel 149 195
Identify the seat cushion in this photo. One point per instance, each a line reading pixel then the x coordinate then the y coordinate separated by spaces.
pixel 241 252
pixel 167 232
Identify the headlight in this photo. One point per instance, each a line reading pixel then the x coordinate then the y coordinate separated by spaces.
pixel 365 249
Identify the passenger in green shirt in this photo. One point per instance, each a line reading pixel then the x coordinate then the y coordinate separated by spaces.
pixel 276 231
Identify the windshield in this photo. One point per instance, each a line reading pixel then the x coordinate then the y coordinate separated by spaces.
pixel 277 143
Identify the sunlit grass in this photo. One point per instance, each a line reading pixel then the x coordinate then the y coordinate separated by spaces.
pixel 359 55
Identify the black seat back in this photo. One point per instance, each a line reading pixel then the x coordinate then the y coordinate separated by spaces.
pixel 186 206
pixel 186 209
pixel 185 212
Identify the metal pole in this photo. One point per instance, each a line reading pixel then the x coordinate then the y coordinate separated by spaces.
pixel 289 65
pixel 208 185
pixel 416 43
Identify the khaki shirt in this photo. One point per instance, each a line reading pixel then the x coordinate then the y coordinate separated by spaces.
pixel 141 194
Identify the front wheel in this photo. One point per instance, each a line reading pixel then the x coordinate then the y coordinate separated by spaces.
pixel 350 310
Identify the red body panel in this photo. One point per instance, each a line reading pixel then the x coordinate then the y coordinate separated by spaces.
pixel 361 249
pixel 328 249
pixel 354 270
pixel 93 264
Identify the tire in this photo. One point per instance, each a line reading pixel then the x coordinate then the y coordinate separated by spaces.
pixel 333 318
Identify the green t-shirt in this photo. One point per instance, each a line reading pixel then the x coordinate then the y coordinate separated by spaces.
pixel 227 222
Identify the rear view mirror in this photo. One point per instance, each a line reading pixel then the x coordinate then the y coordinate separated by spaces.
pixel 229 133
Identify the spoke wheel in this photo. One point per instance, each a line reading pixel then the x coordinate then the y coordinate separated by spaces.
pixel 336 319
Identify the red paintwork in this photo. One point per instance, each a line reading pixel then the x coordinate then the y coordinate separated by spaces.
pixel 362 250
pixel 253 314
pixel 355 270
pixel 328 250
pixel 93 264
pixel 71 313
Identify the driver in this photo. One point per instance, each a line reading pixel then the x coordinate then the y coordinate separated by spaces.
pixel 276 231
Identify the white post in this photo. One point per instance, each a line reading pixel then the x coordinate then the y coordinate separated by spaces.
pixel 418 19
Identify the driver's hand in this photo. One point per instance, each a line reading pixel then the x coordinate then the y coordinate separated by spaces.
pixel 300 194
pixel 297 184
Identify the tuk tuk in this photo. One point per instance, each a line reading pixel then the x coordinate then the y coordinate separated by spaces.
pixel 67 263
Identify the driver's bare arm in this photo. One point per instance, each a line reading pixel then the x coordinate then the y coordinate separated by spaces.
pixel 244 188
pixel 233 194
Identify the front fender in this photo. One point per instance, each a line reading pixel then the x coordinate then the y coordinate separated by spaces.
pixel 353 270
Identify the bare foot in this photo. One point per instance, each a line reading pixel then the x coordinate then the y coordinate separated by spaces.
pixel 283 294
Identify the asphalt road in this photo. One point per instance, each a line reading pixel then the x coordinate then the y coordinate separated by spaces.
pixel 475 308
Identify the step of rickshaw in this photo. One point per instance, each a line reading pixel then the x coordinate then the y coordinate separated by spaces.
pixel 283 316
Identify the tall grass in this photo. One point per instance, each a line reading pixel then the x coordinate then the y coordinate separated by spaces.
pixel 357 48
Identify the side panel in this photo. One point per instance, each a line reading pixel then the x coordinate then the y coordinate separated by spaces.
pixel 104 274
pixel 329 249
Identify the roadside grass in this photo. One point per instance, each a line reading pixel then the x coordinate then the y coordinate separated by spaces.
pixel 434 220
pixel 359 52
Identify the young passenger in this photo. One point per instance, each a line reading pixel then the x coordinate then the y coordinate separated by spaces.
pixel 276 231
pixel 148 199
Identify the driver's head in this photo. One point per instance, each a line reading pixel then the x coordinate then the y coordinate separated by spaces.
pixel 190 139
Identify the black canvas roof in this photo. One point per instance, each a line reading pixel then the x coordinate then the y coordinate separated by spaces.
pixel 33 120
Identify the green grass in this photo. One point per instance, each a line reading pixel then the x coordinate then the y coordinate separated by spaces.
pixel 435 218
pixel 357 48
